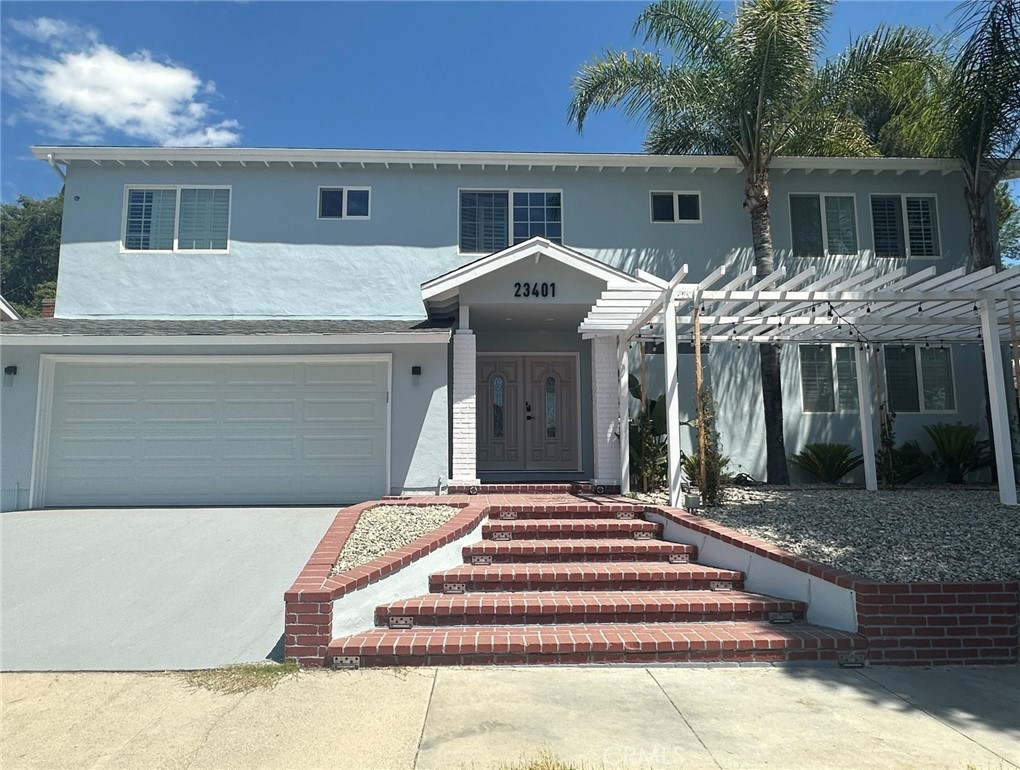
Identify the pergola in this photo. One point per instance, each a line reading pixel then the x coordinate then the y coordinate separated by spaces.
pixel 866 309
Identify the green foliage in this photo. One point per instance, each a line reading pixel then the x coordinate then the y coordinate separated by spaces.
pixel 958 450
pixel 710 477
pixel 828 462
pixel 1007 216
pixel 648 450
pixel 898 465
pixel 29 250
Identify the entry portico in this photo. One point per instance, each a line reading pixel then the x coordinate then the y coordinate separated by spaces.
pixel 531 400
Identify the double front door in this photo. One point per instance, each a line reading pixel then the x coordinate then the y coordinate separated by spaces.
pixel 527 412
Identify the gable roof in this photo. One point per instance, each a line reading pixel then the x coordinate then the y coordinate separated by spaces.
pixel 7 311
pixel 446 285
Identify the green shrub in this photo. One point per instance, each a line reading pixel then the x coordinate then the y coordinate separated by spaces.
pixel 828 462
pixel 648 450
pixel 904 464
pixel 957 450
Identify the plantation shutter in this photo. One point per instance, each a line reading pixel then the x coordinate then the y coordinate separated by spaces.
pixel 806 221
pixel 150 220
pixel 901 379
pixel 205 216
pixel 840 225
pixel 846 379
pixel 483 222
pixel 921 227
pixel 887 225
pixel 816 378
pixel 937 380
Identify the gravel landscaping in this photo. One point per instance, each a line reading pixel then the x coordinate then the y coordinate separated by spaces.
pixel 387 527
pixel 947 534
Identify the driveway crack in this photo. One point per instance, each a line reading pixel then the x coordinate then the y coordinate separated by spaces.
pixel 681 714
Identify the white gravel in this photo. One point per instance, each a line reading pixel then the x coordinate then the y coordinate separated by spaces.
pixel 947 534
pixel 387 527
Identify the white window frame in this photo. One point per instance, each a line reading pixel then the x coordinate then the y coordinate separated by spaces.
pixel 345 216
pixel 676 208
pixel 177 217
pixel 509 212
pixel 837 408
pixel 903 223
pixel 825 230
pixel 920 379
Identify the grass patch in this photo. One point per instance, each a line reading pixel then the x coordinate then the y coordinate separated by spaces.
pixel 242 678
pixel 544 761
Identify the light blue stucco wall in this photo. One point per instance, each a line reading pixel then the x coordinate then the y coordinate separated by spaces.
pixel 283 261
pixel 418 422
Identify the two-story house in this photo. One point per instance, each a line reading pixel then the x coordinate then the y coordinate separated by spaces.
pixel 259 326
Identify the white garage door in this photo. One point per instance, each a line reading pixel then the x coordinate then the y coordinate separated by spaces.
pixel 233 431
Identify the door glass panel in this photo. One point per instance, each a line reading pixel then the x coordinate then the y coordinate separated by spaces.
pixel 550 407
pixel 497 407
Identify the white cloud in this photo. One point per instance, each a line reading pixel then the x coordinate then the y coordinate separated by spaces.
pixel 83 90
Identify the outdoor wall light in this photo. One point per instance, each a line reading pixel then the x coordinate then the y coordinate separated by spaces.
pixel 416 376
pixel 9 372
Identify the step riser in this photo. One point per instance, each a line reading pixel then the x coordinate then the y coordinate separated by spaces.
pixel 567 516
pixel 635 658
pixel 474 619
pixel 588 558
pixel 616 533
pixel 585 584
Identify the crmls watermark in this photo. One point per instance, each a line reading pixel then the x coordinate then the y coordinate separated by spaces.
pixel 643 756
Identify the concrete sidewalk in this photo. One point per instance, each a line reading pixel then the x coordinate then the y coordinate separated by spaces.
pixel 689 717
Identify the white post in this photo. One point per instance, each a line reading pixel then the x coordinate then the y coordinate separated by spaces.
pixel 672 399
pixel 623 359
pixel 605 410
pixel 997 403
pixel 864 407
pixel 464 471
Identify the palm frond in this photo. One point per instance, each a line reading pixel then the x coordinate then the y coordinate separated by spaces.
pixel 616 79
pixel 694 30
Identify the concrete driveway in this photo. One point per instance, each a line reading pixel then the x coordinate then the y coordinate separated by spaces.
pixel 148 589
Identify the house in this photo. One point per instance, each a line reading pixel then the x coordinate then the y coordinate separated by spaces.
pixel 293 326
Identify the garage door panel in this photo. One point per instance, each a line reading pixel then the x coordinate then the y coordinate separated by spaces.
pixel 217 433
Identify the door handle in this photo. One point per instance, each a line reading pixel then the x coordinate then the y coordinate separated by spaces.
pixel 527 410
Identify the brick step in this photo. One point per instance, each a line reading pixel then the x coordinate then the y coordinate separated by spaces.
pixel 567 512
pixel 574 549
pixel 547 607
pixel 595 643
pixel 544 529
pixel 583 576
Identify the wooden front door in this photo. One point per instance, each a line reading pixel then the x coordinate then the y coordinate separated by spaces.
pixel 527 413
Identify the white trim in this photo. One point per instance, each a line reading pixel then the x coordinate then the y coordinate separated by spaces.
pixel 904 224
pixel 836 404
pixel 344 189
pixel 509 215
pixel 7 311
pixel 432 159
pixel 395 338
pixel 481 267
pixel 177 217
pixel 676 208
pixel 917 347
pixel 47 369
pixel 576 355
pixel 825 230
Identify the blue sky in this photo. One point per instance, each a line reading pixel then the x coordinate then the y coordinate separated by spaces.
pixel 421 75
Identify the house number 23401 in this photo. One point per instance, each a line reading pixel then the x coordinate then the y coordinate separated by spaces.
pixel 535 289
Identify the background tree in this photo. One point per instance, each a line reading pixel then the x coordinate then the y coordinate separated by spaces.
pixel 750 86
pixel 1007 216
pixel 29 250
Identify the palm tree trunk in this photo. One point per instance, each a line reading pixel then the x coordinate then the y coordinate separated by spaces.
pixel 756 200
pixel 982 251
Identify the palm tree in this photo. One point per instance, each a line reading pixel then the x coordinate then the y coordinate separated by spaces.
pixel 747 86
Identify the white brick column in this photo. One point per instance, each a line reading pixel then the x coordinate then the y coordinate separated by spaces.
pixel 605 401
pixel 464 408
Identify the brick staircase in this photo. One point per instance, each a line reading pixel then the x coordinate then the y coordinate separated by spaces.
pixel 585 583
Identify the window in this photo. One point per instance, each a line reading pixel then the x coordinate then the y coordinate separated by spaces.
pixel 491 220
pixel 176 218
pixel 343 202
pixel 676 207
pixel 823 225
pixel 919 379
pixel 828 378
pixel 905 226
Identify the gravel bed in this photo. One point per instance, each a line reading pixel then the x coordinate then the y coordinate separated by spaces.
pixel 944 534
pixel 387 527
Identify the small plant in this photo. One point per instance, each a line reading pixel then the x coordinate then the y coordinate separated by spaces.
pixel 957 450
pixel 898 465
pixel 648 450
pixel 828 462
pixel 244 677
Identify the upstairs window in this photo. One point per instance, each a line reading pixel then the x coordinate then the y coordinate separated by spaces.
pixel 344 202
pixel 823 225
pixel 491 220
pixel 919 379
pixel 828 378
pixel 177 219
pixel 905 226
pixel 676 207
